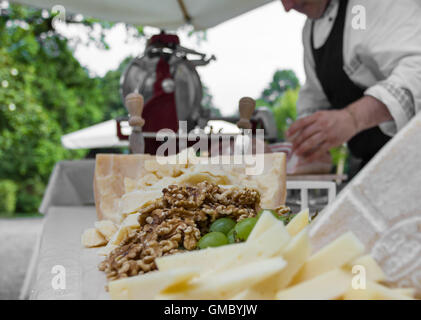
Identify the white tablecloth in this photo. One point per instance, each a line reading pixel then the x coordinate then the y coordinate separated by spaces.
pixel 71 184
pixel 60 246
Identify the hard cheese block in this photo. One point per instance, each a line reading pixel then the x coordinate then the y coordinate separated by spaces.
pixel 120 175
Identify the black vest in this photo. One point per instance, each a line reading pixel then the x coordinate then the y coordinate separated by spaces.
pixel 339 88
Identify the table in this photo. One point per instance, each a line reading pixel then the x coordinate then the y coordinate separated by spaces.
pixel 60 250
pixel 68 205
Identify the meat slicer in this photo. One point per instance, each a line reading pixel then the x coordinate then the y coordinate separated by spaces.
pixel 165 76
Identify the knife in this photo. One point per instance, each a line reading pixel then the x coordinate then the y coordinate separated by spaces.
pixel 134 103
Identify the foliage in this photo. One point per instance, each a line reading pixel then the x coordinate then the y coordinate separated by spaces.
pixel 8 190
pixel 44 93
pixel 207 103
pixel 281 97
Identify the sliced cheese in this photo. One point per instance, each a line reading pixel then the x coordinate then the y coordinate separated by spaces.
pixel 335 255
pixel 410 292
pixel 92 238
pixel 205 258
pixel 135 200
pixel 298 223
pixel 130 223
pixel 251 294
pixel 375 291
pixel 270 244
pixel 265 221
pixel 107 228
pixel 147 286
pixel 295 254
pixel 226 284
pixel 327 286
pixel 372 269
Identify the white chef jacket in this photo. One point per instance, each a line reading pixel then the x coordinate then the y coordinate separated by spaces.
pixel 385 57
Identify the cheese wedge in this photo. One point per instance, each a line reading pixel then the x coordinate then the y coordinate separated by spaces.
pixel 206 258
pixel 107 228
pixel 327 286
pixel 372 269
pixel 130 223
pixel 110 172
pixel 339 252
pixel 295 254
pixel 410 292
pixel 265 221
pixel 147 286
pixel 270 244
pixel 298 223
pixel 135 200
pixel 92 238
pixel 375 291
pixel 115 173
pixel 251 294
pixel 228 283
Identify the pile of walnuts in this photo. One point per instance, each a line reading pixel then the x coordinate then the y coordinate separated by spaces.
pixel 175 223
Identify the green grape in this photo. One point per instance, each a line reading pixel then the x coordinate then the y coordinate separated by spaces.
pixel 223 225
pixel 213 239
pixel 231 236
pixel 244 227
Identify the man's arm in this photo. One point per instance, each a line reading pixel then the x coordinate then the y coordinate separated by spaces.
pixel 368 112
pixel 314 135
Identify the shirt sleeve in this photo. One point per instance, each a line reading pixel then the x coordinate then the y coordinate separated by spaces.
pixel 311 97
pixel 395 47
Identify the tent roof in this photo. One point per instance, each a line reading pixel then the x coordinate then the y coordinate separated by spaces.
pixel 164 14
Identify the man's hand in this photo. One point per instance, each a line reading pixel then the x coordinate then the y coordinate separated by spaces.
pixel 315 135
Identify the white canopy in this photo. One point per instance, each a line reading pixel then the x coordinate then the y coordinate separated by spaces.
pixel 164 14
pixel 104 134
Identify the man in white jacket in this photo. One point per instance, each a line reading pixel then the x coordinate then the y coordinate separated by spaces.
pixel 363 67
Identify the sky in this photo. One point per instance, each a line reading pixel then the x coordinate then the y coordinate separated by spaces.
pixel 248 49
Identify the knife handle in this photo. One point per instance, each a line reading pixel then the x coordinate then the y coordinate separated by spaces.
pixel 246 107
pixel 134 103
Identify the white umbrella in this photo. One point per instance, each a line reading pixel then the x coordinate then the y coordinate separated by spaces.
pixel 104 134
pixel 165 14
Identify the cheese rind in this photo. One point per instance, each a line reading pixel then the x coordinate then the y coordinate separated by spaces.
pixel 119 175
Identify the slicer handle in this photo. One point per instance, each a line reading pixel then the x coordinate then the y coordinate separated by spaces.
pixel 246 106
pixel 134 103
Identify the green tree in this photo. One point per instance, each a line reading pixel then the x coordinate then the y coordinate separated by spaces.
pixel 281 97
pixel 44 93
